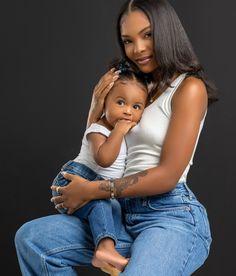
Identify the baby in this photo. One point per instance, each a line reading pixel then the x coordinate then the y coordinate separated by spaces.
pixel 102 156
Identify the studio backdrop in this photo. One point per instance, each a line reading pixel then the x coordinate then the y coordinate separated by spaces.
pixel 52 55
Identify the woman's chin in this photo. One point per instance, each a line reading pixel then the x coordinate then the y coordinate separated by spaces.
pixel 149 68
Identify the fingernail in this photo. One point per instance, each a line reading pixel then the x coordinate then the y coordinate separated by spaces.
pixel 117 72
pixel 63 173
pixel 111 84
pixel 112 69
pixel 115 77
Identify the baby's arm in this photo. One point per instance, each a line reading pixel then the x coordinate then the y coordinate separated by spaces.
pixel 106 149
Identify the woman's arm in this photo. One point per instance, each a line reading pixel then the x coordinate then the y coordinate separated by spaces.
pixel 106 149
pixel 189 105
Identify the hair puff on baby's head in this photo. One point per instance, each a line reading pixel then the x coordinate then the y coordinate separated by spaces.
pixel 128 73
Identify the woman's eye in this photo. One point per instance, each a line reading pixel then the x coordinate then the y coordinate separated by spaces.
pixel 137 107
pixel 126 41
pixel 120 102
pixel 148 35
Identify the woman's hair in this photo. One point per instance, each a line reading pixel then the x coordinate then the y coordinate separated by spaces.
pixel 173 50
pixel 127 72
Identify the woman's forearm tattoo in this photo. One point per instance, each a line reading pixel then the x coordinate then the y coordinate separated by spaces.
pixel 123 183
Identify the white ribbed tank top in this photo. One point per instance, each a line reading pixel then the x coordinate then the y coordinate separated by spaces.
pixel 145 140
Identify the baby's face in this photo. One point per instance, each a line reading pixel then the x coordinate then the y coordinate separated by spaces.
pixel 125 101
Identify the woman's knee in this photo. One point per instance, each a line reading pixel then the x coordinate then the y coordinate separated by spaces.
pixel 22 237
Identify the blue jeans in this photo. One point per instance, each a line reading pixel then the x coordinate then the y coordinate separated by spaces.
pixel 97 212
pixel 165 235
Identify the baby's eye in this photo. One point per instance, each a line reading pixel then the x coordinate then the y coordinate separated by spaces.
pixel 120 102
pixel 137 107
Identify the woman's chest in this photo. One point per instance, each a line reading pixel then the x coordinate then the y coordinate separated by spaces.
pixel 152 128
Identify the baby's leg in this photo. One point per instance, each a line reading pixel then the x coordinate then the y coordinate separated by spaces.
pixel 101 217
pixel 107 255
pixel 105 222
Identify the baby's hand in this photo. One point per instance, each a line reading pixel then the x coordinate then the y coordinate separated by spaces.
pixel 124 126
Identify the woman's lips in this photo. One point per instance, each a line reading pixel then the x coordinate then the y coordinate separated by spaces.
pixel 144 60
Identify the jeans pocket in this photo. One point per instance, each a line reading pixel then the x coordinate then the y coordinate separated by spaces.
pixel 178 214
pixel 166 203
pixel 169 208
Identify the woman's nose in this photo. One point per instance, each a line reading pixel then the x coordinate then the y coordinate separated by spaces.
pixel 139 47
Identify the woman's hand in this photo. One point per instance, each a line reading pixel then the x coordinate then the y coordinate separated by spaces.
pixel 73 196
pixel 99 94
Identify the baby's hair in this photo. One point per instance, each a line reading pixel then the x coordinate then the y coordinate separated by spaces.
pixel 128 73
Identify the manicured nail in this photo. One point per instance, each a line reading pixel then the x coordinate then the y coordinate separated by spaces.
pixel 115 77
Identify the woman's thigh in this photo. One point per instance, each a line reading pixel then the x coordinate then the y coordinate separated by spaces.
pixel 54 244
pixel 169 252
pixel 167 243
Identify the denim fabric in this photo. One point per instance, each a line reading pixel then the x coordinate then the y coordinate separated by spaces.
pixel 165 235
pixel 171 230
pixel 97 212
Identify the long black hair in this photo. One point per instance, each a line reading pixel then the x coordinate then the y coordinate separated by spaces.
pixel 172 46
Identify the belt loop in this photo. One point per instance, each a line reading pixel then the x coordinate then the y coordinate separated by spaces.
pixel 189 191
pixel 144 201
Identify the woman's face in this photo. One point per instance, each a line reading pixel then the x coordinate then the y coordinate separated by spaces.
pixel 138 41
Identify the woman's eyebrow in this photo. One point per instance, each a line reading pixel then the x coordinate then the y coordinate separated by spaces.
pixel 143 30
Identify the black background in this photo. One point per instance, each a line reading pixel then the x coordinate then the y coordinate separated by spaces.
pixel 52 55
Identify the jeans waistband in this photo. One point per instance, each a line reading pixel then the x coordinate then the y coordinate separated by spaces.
pixel 137 203
pixel 180 188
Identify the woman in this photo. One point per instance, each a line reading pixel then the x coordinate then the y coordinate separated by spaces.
pixel 165 229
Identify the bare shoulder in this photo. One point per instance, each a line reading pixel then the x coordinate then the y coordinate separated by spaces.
pixel 191 93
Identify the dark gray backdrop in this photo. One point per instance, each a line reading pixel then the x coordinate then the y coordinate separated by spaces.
pixel 52 55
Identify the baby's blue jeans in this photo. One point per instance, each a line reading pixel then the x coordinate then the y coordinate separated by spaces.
pixel 98 213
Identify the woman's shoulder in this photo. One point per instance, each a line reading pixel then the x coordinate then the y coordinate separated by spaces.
pixel 192 93
pixel 192 85
pixel 191 89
